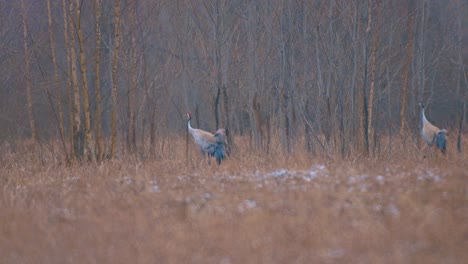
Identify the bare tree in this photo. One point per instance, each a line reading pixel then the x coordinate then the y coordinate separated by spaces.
pixel 27 66
pixel 82 60
pixel 286 73
pixel 373 69
pixel 254 113
pixel 409 48
pixel 117 14
pixel 58 94
pixel 97 82
pixel 69 81
pixel 78 139
pixel 131 139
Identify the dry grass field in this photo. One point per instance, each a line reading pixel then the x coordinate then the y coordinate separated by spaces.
pixel 253 208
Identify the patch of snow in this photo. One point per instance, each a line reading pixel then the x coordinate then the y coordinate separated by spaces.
pixel 307 179
pixel 64 213
pixel 181 178
pixel 319 167
pixel 127 180
pixel 72 178
pixel 429 175
pixel 153 182
pixel 334 253
pixel 377 207
pixel 154 188
pixel 21 187
pixel 279 173
pixel 207 195
pixel 393 210
pixel 380 179
pixel 250 203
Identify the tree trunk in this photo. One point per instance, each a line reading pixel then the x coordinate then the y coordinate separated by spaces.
pixel 114 79
pixel 227 125
pixel 58 96
pixel 355 38
pixel 389 85
pixel 373 69
pixel 462 117
pixel 131 138
pixel 252 75
pixel 286 73
pixel 219 32
pixel 32 123
pixel 409 48
pixel 460 127
pixel 77 132
pixel 363 119
pixel 461 78
pixel 89 149
pixel 97 83
pixel 216 106
pixel 69 81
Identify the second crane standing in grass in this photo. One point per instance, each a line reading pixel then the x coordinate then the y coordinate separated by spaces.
pixel 432 134
pixel 213 145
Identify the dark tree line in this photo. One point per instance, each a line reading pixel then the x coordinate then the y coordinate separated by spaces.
pixel 110 77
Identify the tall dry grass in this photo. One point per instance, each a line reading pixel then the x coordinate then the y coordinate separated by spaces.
pixel 255 208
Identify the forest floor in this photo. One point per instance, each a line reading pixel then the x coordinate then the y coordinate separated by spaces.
pixel 251 209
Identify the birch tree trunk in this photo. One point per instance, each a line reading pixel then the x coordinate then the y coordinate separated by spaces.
pixel 89 149
pixel 131 138
pixel 254 105
pixel 409 48
pixel 32 123
pixel 285 97
pixel 114 78
pixel 97 82
pixel 355 38
pixel 58 96
pixel 69 81
pixel 77 132
pixel 373 69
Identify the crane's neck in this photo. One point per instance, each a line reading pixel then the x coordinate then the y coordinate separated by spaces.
pixel 189 127
pixel 423 117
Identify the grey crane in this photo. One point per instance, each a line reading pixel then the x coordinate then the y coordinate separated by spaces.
pixel 432 134
pixel 213 145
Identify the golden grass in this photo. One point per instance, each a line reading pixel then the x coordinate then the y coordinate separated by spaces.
pixel 254 208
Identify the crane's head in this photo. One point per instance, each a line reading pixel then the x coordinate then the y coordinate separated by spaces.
pixel 188 115
pixel 421 105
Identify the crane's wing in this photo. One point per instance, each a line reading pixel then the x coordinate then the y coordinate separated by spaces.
pixel 442 140
pixel 220 145
pixel 220 136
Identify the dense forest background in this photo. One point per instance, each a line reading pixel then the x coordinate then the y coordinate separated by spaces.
pixel 107 78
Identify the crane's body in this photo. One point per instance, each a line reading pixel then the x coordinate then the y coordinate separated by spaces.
pixel 210 144
pixel 432 134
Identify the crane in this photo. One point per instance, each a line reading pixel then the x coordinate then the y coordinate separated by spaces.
pixel 213 145
pixel 432 134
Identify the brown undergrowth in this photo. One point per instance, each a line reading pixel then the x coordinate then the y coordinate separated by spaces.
pixel 254 208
